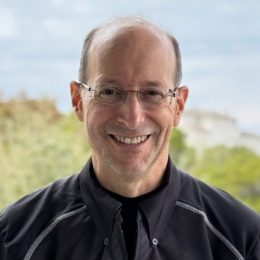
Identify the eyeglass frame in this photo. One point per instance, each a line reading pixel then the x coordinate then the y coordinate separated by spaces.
pixel 123 93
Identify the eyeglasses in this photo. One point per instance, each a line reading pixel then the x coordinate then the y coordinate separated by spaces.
pixel 111 95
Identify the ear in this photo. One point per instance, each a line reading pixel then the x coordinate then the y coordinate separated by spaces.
pixel 181 98
pixel 76 99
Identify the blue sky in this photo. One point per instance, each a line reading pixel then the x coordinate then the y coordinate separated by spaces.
pixel 40 46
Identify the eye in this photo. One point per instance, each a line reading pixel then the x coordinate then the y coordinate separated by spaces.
pixel 108 91
pixel 108 95
pixel 152 93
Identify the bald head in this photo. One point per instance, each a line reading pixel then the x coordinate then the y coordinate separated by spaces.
pixel 128 31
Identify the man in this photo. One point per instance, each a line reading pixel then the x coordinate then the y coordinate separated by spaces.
pixel 129 201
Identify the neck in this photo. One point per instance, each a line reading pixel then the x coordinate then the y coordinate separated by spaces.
pixel 133 189
pixel 134 185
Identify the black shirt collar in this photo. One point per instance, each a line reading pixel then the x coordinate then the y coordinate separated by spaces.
pixel 156 206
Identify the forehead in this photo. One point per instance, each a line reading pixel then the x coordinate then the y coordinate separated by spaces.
pixel 115 33
pixel 136 50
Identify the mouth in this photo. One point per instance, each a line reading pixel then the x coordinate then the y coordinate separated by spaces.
pixel 130 140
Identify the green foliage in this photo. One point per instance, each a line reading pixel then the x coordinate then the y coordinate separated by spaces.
pixel 235 170
pixel 177 145
pixel 37 145
pixel 182 155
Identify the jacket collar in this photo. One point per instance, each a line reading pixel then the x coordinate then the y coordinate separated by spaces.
pixel 101 205
pixel 157 207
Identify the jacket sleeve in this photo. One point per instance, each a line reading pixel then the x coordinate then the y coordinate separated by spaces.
pixel 255 255
pixel 3 248
pixel 3 251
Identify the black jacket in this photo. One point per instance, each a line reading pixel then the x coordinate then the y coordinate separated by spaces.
pixel 76 219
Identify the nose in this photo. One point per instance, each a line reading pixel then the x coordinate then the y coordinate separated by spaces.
pixel 130 112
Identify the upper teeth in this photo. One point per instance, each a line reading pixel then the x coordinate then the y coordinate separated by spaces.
pixel 130 140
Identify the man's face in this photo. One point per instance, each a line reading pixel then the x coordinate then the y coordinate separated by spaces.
pixel 129 139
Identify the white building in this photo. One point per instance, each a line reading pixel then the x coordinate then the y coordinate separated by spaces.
pixel 205 129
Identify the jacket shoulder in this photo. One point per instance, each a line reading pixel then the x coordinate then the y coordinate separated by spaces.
pixel 62 191
pixel 25 219
pixel 215 202
pixel 231 218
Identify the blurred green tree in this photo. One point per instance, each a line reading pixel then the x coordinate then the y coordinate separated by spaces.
pixel 37 145
pixel 235 170
pixel 182 155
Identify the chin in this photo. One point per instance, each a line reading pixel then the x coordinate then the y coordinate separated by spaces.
pixel 131 170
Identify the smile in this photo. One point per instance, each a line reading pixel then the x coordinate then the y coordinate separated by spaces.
pixel 130 140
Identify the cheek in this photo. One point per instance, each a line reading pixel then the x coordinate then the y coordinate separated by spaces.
pixel 90 114
pixel 174 114
pixel 165 122
pixel 169 117
pixel 95 117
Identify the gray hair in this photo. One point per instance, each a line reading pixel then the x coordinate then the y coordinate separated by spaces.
pixel 125 21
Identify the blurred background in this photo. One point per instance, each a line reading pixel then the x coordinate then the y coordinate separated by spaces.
pixel 40 46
